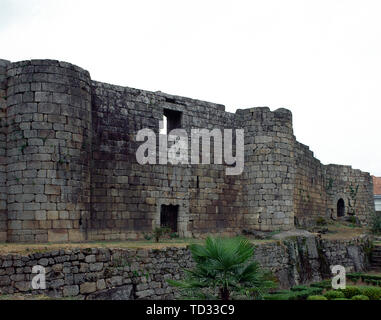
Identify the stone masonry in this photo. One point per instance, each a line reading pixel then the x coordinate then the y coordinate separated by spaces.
pixel 129 274
pixel 68 169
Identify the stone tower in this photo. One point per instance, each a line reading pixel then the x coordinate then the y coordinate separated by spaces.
pixel 48 150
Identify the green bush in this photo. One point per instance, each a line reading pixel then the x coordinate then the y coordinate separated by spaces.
pixel 373 293
pixel 370 277
pixel 148 236
pixel 317 297
pixel 352 219
pixel 334 294
pixel 173 235
pixel 351 291
pixel 325 284
pixel 354 276
pixel 278 296
pixel 159 232
pixel 360 297
pixel 320 221
pixel 300 288
pixel 341 299
pixel 304 294
pixel 294 294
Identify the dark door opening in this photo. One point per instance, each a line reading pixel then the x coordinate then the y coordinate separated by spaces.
pixel 340 208
pixel 168 216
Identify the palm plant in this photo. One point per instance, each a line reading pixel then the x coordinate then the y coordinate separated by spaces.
pixel 223 269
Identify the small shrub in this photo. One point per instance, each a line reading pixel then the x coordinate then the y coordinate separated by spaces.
pixel 299 288
pixel 304 294
pixel 355 276
pixel 351 291
pixel 277 296
pixel 147 236
pixel 173 235
pixel 352 219
pixel 320 221
pixel 158 232
pixel 373 293
pixel 299 294
pixel 371 277
pixel 360 297
pixel 325 284
pixel 334 294
pixel 317 298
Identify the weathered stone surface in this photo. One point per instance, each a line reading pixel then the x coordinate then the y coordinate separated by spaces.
pixel 120 293
pixel 68 169
pixel 293 260
pixel 88 287
pixel 57 235
pixel 70 291
pixel 292 233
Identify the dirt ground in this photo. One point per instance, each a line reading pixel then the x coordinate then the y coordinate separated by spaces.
pixel 335 232
pixel 343 232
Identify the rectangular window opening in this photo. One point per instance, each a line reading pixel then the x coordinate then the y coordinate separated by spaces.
pixel 172 119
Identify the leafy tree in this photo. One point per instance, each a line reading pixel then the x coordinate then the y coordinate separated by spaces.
pixel 223 270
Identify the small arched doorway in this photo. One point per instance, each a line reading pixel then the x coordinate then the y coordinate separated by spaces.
pixel 340 208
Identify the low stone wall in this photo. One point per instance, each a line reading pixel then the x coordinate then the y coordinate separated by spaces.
pixel 308 259
pixel 102 273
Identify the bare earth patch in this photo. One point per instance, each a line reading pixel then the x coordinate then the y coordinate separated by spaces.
pixel 336 232
pixel 343 232
pixel 25 248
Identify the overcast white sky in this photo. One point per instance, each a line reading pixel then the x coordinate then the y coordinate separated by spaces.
pixel 320 59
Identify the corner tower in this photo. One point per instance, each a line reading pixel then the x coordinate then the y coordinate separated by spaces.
pixel 48 150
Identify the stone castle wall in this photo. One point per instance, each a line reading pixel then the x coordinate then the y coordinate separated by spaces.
pixel 318 188
pixel 68 168
pixel 101 273
pixel 342 182
pixel 3 150
pixel 126 196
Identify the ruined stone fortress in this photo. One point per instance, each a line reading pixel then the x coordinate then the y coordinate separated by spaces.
pixel 68 168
